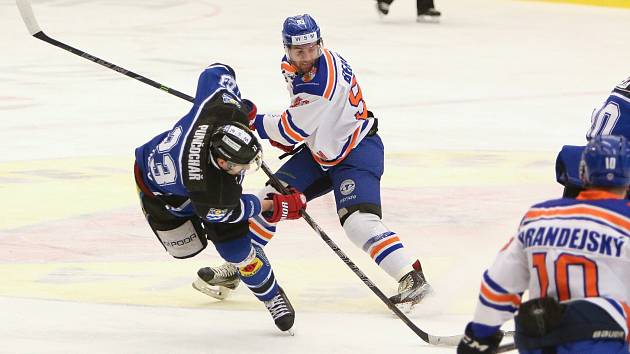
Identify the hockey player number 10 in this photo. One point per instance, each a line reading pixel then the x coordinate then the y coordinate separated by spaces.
pixel 562 265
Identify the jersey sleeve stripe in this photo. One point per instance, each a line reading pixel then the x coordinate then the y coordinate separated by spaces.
pixel 293 126
pixel 284 134
pixel 626 310
pixel 493 285
pixel 331 82
pixel 289 128
pixel 503 299
pixel 581 210
pixel 506 308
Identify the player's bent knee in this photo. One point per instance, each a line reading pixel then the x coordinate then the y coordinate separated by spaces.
pixel 363 229
pixel 183 241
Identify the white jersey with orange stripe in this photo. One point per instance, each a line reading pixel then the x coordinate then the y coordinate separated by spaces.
pixel 568 249
pixel 327 111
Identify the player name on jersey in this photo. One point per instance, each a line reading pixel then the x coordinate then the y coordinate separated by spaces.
pixel 573 238
pixel 194 153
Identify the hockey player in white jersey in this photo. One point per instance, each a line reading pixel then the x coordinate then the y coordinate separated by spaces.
pixel 573 255
pixel 340 151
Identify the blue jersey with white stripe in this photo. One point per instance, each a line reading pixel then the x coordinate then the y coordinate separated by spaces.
pixel 175 163
pixel 613 116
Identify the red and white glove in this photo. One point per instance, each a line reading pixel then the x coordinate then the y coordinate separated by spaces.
pixel 251 108
pixel 286 206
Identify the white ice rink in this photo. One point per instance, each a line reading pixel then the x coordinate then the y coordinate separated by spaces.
pixel 472 112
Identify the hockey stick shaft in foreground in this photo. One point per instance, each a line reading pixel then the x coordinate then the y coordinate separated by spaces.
pixel 31 23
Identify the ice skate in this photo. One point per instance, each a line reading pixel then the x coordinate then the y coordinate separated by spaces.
pixel 412 288
pixel 431 15
pixel 217 282
pixel 282 312
pixel 382 8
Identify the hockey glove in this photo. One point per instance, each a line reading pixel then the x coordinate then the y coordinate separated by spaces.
pixel 250 107
pixel 285 148
pixel 471 344
pixel 286 206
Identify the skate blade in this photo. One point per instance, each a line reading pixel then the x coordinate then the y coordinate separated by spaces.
pixel 290 332
pixel 409 306
pixel 428 19
pixel 217 292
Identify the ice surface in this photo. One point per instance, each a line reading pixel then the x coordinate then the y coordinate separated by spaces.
pixel 472 112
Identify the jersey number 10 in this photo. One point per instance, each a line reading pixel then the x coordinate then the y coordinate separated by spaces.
pixel 562 265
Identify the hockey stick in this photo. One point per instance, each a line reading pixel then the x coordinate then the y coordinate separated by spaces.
pixel 31 23
pixel 33 27
pixel 506 348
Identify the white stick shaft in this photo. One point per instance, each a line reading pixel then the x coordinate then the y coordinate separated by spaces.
pixel 28 16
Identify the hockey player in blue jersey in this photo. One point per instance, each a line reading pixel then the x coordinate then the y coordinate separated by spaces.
pixel 189 180
pixel 340 151
pixel 611 118
pixel 573 256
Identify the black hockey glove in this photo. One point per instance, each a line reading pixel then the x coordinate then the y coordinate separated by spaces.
pixel 470 344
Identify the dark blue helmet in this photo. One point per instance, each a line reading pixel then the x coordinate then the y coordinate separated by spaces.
pixel 300 29
pixel 606 162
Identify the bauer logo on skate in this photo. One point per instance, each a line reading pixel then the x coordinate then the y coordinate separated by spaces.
pixel 252 268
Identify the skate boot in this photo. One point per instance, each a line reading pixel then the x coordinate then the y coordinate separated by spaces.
pixel 430 15
pixel 412 288
pixel 282 312
pixel 217 281
pixel 382 7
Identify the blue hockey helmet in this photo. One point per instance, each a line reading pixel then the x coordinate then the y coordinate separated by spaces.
pixel 606 162
pixel 300 29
